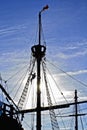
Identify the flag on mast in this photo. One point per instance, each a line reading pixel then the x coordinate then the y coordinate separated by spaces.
pixel 46 7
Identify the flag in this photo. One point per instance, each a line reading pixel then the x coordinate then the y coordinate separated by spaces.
pixel 46 7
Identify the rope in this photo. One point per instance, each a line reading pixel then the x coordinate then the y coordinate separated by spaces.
pixel 85 85
pixel 82 123
pixel 32 116
pixel 43 35
pixel 54 122
pixel 57 86
pixel 22 79
pixel 25 90
pixel 59 113
pixel 15 74
pixel 81 119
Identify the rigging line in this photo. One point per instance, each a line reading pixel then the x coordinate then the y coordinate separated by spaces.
pixel 74 111
pixel 43 90
pixel 32 95
pixel 20 77
pixel 57 85
pixel 34 101
pixel 81 111
pixel 32 120
pixel 84 114
pixel 43 35
pixel 50 87
pixel 82 123
pixel 15 73
pixel 71 122
pixel 58 110
pixel 28 94
pixel 8 96
pixel 3 97
pixel 25 90
pixel 81 119
pixel 36 34
pixel 60 115
pixel 69 75
pixel 21 81
pixel 65 115
pixel 20 84
pixel 35 97
pixel 27 124
pixel 43 99
pixel 54 122
pixel 32 115
pixel 51 91
pixel 34 40
pixel 85 120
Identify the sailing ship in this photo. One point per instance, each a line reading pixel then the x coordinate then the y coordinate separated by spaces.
pixel 12 114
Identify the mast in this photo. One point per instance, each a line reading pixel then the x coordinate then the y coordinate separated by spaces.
pixel 38 51
pixel 76 111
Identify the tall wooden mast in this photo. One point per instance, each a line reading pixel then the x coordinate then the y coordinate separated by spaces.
pixel 38 52
pixel 76 111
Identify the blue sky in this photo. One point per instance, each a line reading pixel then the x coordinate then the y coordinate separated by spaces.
pixel 65 33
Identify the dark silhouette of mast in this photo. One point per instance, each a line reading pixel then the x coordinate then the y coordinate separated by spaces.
pixel 38 52
pixel 76 111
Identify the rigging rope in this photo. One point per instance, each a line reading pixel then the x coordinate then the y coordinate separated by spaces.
pixel 81 118
pixel 15 74
pixel 21 82
pixel 32 116
pixel 57 85
pixel 54 122
pixel 59 113
pixel 85 85
pixel 82 123
pixel 25 90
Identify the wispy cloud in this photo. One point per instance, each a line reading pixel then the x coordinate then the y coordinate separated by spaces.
pixel 71 50
pixel 73 73
pixel 75 54
pixel 15 59
pixel 11 29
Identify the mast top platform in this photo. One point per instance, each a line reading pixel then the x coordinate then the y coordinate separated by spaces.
pixel 38 51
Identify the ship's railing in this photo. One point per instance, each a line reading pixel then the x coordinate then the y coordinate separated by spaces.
pixel 8 110
pixel 8 117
